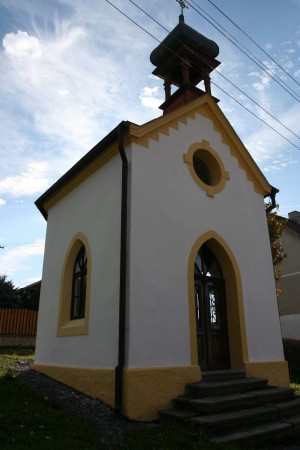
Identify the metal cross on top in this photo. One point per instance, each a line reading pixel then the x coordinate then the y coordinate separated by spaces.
pixel 182 5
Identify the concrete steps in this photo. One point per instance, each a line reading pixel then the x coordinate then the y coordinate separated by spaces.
pixel 210 388
pixel 232 408
pixel 258 434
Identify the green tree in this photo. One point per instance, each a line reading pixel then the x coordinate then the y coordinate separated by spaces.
pixel 30 300
pixel 9 297
pixel 276 226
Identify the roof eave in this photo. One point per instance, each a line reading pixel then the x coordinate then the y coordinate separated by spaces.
pixel 108 140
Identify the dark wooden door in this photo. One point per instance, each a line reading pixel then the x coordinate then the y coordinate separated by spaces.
pixel 212 332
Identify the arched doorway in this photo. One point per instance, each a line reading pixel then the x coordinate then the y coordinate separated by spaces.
pixel 237 336
pixel 211 315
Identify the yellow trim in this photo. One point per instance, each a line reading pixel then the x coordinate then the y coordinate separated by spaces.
pixel 277 372
pixel 65 326
pixel 146 390
pixel 142 134
pixel 214 164
pixel 234 299
pixel 98 383
pixel 208 108
pixel 150 390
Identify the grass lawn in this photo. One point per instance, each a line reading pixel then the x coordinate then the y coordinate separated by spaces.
pixel 28 421
pixel 32 422
pixel 10 356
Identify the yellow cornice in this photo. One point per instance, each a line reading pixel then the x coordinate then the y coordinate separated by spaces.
pixel 161 125
pixel 141 134
pixel 208 108
pixel 239 151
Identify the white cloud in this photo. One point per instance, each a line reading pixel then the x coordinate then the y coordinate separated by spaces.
pixel 263 79
pixel 149 97
pixel 279 164
pixel 267 147
pixel 63 88
pixel 20 259
pixel 288 65
pixel 62 92
pixel 2 202
pixel 31 181
pixel 80 85
pixel 20 44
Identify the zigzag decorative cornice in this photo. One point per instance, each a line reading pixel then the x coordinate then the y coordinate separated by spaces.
pixel 206 107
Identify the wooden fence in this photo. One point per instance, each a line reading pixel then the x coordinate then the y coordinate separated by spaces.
pixel 18 322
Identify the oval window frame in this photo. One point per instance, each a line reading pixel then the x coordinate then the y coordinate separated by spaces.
pixel 214 164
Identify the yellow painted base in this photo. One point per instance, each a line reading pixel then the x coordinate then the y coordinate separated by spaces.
pixel 99 383
pixel 150 390
pixel 277 372
pixel 146 390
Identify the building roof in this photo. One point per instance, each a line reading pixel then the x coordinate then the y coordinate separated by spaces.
pixel 291 224
pixel 183 33
pixel 294 226
pixel 99 148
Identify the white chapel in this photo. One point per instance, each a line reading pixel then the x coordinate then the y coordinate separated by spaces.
pixel 157 262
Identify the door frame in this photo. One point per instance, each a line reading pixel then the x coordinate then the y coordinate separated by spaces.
pixel 235 307
pixel 205 332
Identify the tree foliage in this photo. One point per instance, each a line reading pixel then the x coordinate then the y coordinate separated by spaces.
pixel 276 227
pixel 8 293
pixel 30 300
pixel 12 297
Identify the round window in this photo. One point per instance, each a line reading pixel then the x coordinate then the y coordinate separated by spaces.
pixel 206 167
pixel 201 170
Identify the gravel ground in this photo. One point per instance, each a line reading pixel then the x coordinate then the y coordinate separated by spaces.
pixel 110 424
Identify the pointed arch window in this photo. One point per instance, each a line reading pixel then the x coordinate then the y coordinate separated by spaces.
pixel 79 285
pixel 75 290
pixel 206 264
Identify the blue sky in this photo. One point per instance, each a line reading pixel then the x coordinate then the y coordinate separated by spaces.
pixel 71 70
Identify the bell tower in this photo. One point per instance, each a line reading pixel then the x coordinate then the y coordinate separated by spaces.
pixel 184 59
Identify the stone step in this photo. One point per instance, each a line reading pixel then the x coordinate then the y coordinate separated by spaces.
pixel 176 414
pixel 211 388
pixel 208 405
pixel 222 375
pixel 217 423
pixel 294 421
pixel 289 408
pixel 255 435
pixel 231 408
pixel 273 395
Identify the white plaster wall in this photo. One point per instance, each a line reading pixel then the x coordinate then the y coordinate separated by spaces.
pixel 169 211
pixel 93 208
pixel 290 326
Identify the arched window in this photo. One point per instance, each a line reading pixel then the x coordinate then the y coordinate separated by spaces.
pixel 206 264
pixel 79 285
pixel 74 301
